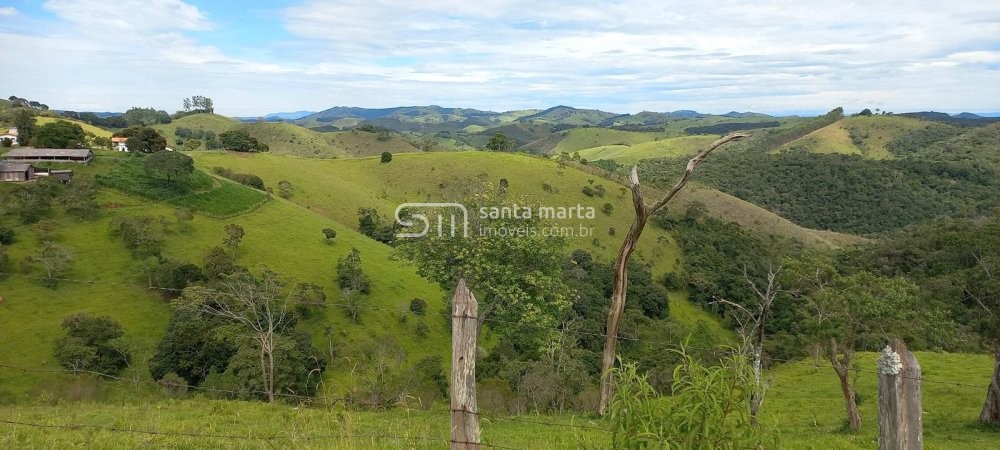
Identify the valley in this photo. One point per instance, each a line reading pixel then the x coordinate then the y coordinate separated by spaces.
pixel 830 197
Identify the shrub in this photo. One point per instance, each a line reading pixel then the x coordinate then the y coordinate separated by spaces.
pixel 90 345
pixel 607 208
pixel 350 275
pixel 595 191
pixel 418 306
pixel 422 330
pixel 173 385
pixel 708 408
pixel 329 234
pixel 6 236
pixel 386 157
pixel 285 189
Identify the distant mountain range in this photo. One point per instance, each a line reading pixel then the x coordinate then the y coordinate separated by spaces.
pixel 435 118
pixel 273 117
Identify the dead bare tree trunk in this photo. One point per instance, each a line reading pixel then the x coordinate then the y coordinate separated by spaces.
pixel 842 365
pixel 991 409
pixel 256 305
pixel 751 332
pixel 620 282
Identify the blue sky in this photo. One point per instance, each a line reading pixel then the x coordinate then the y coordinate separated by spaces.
pixel 256 57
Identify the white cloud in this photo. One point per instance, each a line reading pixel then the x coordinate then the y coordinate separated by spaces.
pixel 129 16
pixel 624 56
pixel 7 11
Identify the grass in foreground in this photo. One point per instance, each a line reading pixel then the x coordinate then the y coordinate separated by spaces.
pixel 804 407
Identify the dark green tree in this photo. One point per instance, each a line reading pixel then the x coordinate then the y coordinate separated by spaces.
pixel 234 235
pixel 386 157
pixel 241 141
pixel 145 117
pixel 91 344
pixel 192 347
pixel 500 143
pixel 350 274
pixel 59 134
pixel 143 139
pixel 329 234
pixel 218 263
pixel 174 166
pixel 142 235
pixel 24 120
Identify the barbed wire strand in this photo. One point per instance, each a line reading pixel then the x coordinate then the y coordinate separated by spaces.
pixel 405 311
pixel 308 437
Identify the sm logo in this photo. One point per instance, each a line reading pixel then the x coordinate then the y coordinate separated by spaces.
pixel 444 216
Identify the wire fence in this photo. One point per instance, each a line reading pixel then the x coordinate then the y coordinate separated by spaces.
pixel 405 311
pixel 593 426
pixel 289 437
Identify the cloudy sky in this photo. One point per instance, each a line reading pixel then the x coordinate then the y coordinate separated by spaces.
pixel 256 57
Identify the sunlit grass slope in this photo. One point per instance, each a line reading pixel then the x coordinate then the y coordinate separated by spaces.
pixel 96 131
pixel 280 235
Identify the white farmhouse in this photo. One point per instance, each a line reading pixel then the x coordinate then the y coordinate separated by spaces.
pixel 10 134
pixel 120 144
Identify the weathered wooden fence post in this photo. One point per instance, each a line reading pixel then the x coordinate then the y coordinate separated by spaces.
pixel 464 331
pixel 900 425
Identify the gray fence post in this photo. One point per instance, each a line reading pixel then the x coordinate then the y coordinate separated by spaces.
pixel 464 331
pixel 900 425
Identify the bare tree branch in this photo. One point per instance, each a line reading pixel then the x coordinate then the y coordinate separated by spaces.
pixel 620 280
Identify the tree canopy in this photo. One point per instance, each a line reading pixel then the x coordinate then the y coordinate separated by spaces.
pixel 58 134
pixel 143 139
pixel 241 141
pixel 170 165
pixel 145 117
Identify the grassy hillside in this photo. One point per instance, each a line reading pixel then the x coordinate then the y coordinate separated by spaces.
pixel 337 188
pixel 662 148
pixel 30 314
pixel 804 407
pixel 857 135
pixel 568 116
pixel 752 217
pixel 206 122
pixel 88 128
pixel 578 139
pixel 678 125
pixel 360 143
pixel 288 139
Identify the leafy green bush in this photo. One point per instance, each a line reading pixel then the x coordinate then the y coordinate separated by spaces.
pixel 91 345
pixel 197 193
pixel 708 408
pixel 6 236
pixel 418 306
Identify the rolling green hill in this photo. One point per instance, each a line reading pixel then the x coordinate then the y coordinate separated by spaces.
pixel 205 122
pixel 30 314
pixel 337 188
pixel 288 139
pixel 566 115
pixel 659 148
pixel 578 139
pixel 857 135
pixel 88 128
